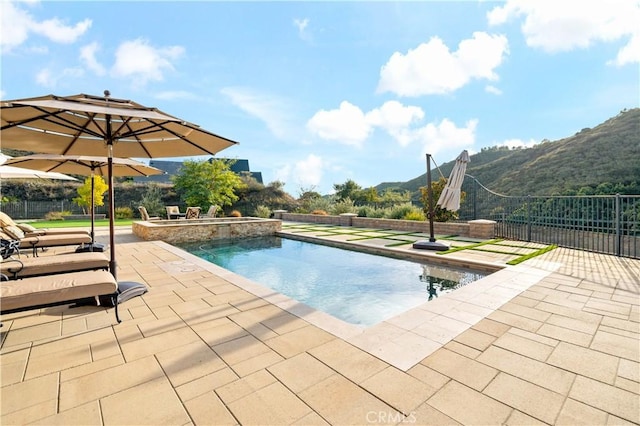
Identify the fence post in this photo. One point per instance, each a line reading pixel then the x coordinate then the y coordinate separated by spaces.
pixel 528 217
pixel 618 227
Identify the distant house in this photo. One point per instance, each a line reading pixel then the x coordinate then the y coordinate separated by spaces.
pixel 171 168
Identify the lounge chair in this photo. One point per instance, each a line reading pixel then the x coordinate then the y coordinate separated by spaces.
pixel 29 231
pixel 145 215
pixel 15 268
pixel 192 213
pixel 51 290
pixel 173 212
pixel 42 241
pixel 213 209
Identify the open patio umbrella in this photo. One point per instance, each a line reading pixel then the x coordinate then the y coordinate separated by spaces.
pixel 450 196
pixel 98 125
pixel 12 172
pixel 85 165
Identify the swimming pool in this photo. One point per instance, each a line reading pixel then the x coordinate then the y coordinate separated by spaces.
pixel 356 287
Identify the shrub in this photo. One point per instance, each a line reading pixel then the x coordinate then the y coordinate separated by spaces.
pixel 323 203
pixel 320 212
pixel 401 211
pixel 344 206
pixel 235 213
pixel 263 211
pixel 415 215
pixel 123 213
pixel 56 215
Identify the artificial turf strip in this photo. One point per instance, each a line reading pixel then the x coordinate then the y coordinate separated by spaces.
pixel 469 247
pixel 532 255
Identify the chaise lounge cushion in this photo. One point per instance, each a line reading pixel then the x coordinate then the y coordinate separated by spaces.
pixel 51 289
pixel 28 230
pixel 60 263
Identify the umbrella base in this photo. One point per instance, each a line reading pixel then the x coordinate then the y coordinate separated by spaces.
pixel 91 247
pixel 430 245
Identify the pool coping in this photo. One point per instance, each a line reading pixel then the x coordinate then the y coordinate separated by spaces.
pixel 407 338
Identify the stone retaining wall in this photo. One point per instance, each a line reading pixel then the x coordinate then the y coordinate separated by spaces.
pixel 191 230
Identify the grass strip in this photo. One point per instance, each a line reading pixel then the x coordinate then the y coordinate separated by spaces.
pixel 469 247
pixel 532 255
pixel 78 223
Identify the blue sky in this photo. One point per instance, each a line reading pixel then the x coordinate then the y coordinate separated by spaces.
pixel 321 92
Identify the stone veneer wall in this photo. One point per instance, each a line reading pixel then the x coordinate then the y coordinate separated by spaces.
pixel 191 230
pixel 476 228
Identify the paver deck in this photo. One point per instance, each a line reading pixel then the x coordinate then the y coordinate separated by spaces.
pixel 552 340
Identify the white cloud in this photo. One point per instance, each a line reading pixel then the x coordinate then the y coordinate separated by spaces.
pixel 17 24
pixel 347 124
pixel 301 25
pixel 518 143
pixel 88 56
pixel 556 26
pixel 431 68
pixel 268 108
pixel 492 89
pixel 308 172
pixel 446 135
pixel 396 118
pixel 46 78
pixel 139 60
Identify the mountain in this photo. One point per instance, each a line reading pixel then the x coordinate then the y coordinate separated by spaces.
pixel 606 156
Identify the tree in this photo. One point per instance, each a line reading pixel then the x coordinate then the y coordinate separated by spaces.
pixel 346 190
pixel 83 199
pixel 203 183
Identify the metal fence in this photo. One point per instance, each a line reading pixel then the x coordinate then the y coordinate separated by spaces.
pixel 599 223
pixel 38 209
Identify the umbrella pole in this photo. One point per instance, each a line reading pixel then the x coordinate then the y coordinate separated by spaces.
pixel 112 243
pixel 431 244
pixel 93 208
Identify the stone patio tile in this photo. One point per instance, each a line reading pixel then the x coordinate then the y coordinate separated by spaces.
pixel 340 401
pixel 346 359
pixel 536 372
pixel 193 292
pixel 97 385
pixel 189 362
pixel 429 376
pixel 298 340
pixel 219 331
pixel 475 339
pixel 208 314
pixel 619 332
pixel 13 365
pixel 206 383
pixel 525 311
pixel 531 399
pixel 153 403
pixel 30 414
pixel 613 309
pixel 461 349
pixel 209 409
pixel 576 413
pixel 87 414
pixel 629 370
pixel 410 319
pixel 565 334
pixel 241 349
pixel 32 334
pixel 161 298
pixel 515 320
pixel 491 327
pixel 158 343
pixel 159 326
pixel 623 325
pixel 569 311
pixel 240 388
pixel 588 327
pixel 283 323
pixel 613 344
pixel 92 367
pixel 607 398
pixel 54 362
pixel 274 404
pixel 518 418
pixel 427 415
pixel 467 371
pixel 39 390
pixel 630 385
pixel 585 362
pixel 524 346
pixel 256 363
pixel 289 372
pixel 398 389
pixel 478 409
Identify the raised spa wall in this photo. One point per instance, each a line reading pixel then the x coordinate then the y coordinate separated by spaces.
pixel 190 230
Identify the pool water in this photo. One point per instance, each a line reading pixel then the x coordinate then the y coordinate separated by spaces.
pixel 356 287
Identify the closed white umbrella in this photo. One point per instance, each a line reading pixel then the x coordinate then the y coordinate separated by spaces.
pixel 450 196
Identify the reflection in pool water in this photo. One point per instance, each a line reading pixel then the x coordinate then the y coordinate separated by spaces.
pixel 356 287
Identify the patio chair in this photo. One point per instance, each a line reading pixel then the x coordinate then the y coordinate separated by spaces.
pixel 15 268
pixel 213 209
pixel 34 242
pixel 80 288
pixel 192 213
pixel 145 215
pixel 173 212
pixel 30 231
